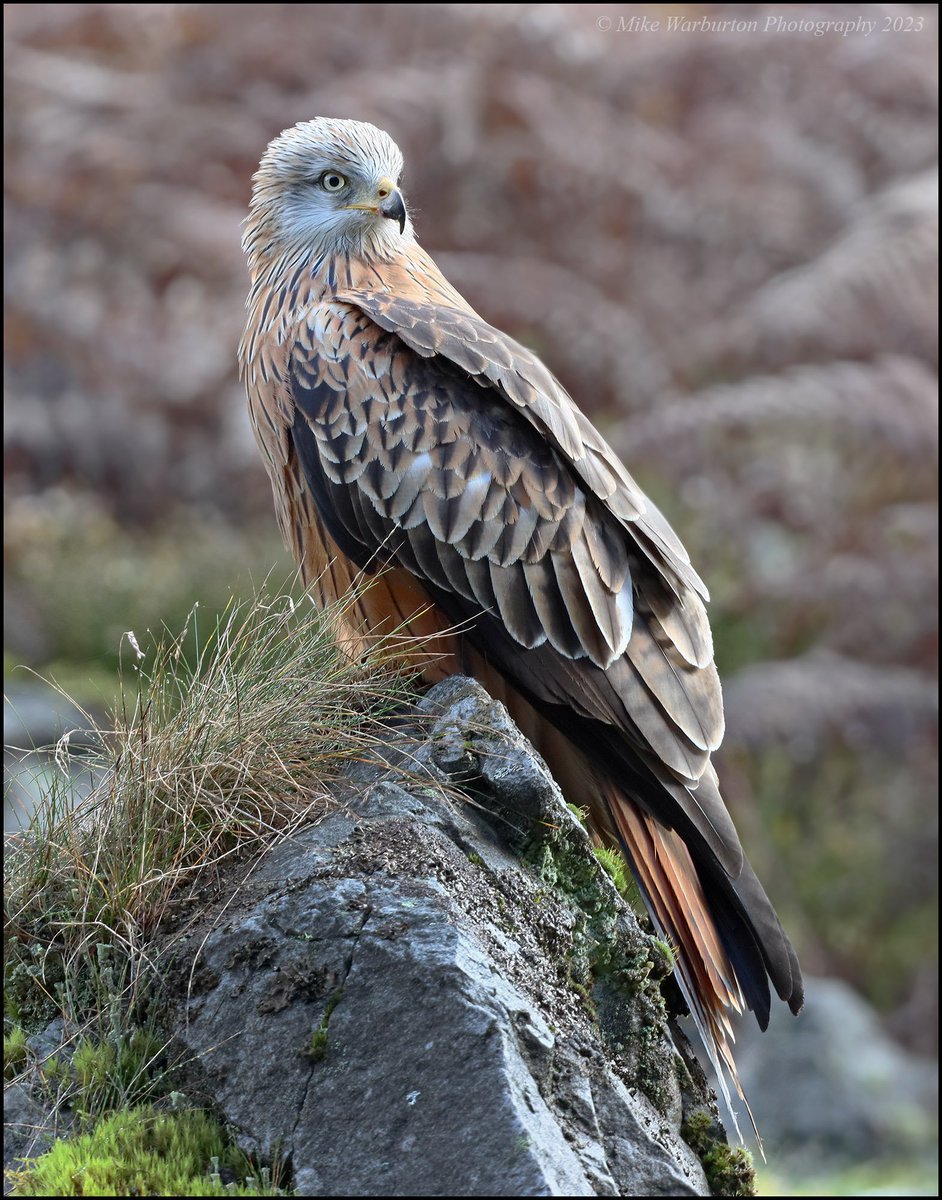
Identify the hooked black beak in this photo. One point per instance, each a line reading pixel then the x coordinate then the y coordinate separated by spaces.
pixel 394 208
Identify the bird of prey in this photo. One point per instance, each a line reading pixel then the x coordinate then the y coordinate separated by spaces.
pixel 410 441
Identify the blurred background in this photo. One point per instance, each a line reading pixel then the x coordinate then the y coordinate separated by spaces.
pixel 724 242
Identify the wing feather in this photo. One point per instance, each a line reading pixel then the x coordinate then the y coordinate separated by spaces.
pixel 680 620
pixel 516 605
pixel 690 695
pixel 612 608
pixel 478 571
pixel 550 605
pixel 573 591
pixel 454 567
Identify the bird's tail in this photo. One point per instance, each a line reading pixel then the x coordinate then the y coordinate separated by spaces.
pixel 675 898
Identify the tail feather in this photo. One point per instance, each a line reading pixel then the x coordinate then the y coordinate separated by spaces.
pixel 675 896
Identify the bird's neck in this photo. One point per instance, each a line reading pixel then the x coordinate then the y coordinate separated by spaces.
pixel 285 285
pixel 314 259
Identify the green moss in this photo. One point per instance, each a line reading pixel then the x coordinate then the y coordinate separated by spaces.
pixel 118 1063
pixel 55 1071
pixel 729 1170
pixel 566 866
pixel 15 1052
pixel 112 1073
pixel 633 1017
pixel 31 977
pixel 614 865
pixel 143 1152
pixel 317 1047
pixel 585 995
pixel 664 957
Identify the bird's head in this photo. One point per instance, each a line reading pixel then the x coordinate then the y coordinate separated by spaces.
pixel 329 186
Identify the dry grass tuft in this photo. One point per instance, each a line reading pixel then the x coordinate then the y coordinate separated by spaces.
pixel 211 756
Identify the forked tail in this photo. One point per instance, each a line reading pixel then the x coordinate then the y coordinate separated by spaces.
pixel 675 898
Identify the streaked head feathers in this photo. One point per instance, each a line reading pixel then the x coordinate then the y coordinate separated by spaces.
pixel 320 185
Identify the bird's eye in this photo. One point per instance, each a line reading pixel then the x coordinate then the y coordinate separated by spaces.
pixel 333 181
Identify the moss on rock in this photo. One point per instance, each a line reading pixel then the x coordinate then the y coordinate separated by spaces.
pixel 144 1152
pixel 613 966
pixel 729 1170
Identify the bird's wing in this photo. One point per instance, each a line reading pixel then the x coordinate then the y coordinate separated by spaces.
pixel 460 336
pixel 411 462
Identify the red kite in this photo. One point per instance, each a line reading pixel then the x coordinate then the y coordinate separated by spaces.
pixel 401 431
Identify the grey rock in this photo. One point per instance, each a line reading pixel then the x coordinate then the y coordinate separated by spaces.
pixel 52 1040
pixel 32 1118
pixel 832 1086
pixel 393 1004
pixel 28 1129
